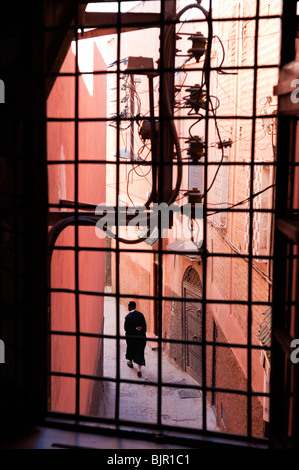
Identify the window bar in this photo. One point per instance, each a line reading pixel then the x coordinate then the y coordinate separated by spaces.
pixel 291 249
pixel 154 23
pixel 250 249
pixel 118 337
pixel 117 251
pixel 16 225
pixel 207 72
pixel 76 214
pixel 278 430
pixel 177 252
pixel 291 321
pixel 160 307
pixel 160 168
pixel 168 340
pixel 194 439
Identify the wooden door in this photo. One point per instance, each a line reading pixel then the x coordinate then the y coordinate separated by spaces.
pixel 193 332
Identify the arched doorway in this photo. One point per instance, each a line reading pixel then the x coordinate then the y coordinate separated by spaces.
pixel 192 323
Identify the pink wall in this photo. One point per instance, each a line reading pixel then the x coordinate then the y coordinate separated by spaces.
pixel 91 189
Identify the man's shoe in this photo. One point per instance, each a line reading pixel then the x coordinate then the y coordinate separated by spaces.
pixel 129 364
pixel 139 374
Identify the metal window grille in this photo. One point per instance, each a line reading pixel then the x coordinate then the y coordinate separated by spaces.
pixel 223 66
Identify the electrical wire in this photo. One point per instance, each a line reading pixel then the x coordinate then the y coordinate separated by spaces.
pixel 243 255
pixel 230 98
pixel 250 37
pixel 132 99
pixel 166 97
pixel 241 202
pixel 222 154
pixel 167 103
pixel 128 181
pixel 210 107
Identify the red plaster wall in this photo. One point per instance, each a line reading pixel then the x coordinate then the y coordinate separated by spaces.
pixel 91 189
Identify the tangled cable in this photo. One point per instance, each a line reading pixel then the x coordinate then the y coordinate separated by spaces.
pixel 166 100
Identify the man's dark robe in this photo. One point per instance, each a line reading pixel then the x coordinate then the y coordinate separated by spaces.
pixel 135 346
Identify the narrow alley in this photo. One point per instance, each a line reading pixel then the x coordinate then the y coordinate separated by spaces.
pixel 180 406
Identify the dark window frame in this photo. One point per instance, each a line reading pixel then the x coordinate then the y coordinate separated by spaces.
pixel 54 418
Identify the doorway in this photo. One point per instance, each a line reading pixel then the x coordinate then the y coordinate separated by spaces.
pixel 192 323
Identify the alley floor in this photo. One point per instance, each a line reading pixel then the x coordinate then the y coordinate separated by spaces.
pixel 138 402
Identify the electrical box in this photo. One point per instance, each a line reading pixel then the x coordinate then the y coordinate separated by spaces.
pixel 140 64
pixel 145 131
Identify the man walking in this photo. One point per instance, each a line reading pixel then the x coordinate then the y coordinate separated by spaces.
pixel 135 328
